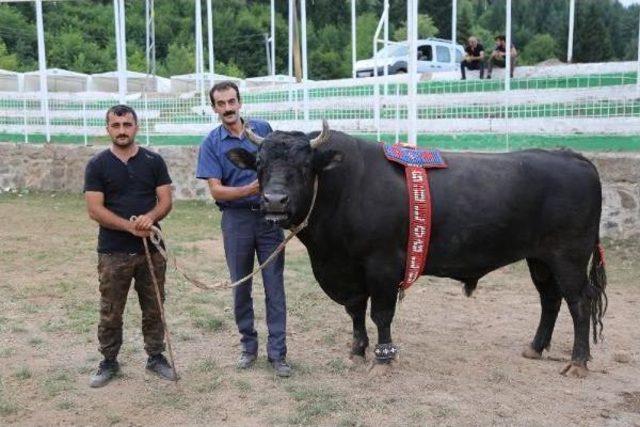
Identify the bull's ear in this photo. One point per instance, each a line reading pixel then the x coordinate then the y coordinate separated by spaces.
pixel 242 158
pixel 325 160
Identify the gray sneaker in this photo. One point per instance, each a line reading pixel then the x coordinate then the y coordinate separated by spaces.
pixel 159 365
pixel 107 370
pixel 282 368
pixel 246 360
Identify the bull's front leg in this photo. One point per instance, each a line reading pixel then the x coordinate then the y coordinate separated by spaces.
pixel 382 311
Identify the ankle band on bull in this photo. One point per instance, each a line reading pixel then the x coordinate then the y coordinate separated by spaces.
pixel 385 352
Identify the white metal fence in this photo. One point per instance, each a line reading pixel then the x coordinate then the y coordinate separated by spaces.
pixel 595 103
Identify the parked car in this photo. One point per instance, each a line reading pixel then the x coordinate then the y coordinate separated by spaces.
pixel 434 55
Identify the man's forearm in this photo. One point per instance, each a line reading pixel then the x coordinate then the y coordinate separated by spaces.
pixel 160 211
pixel 108 219
pixel 224 193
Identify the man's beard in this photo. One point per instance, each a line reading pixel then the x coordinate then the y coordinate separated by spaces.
pixel 122 143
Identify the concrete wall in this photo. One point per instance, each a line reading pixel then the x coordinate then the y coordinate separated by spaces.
pixel 61 168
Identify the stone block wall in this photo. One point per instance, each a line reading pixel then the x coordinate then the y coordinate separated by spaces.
pixel 61 168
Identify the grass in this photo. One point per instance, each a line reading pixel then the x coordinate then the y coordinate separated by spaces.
pixel 313 403
pixel 7 406
pixel 7 352
pixel 337 366
pixel 23 373
pixel 203 319
pixel 57 383
pixel 242 385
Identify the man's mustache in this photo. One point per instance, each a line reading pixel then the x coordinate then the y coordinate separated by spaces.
pixel 229 113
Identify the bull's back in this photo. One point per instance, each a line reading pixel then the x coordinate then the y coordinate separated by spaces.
pixel 492 209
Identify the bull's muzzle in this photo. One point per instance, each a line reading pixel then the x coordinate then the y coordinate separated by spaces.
pixel 275 202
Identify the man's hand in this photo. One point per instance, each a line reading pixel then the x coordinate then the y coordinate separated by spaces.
pixel 143 223
pixel 253 188
pixel 139 233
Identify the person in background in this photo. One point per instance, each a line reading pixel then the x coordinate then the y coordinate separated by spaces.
pixel 474 58
pixel 499 56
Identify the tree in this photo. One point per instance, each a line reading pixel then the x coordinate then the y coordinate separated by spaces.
pixel 541 47
pixel 464 23
pixel 426 28
pixel 7 61
pixel 592 40
pixel 179 60
pixel 230 69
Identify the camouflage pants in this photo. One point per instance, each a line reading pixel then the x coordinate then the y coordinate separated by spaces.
pixel 115 273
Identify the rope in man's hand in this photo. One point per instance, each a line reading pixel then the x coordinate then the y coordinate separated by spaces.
pixel 154 279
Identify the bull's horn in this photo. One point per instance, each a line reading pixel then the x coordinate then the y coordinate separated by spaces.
pixel 323 137
pixel 252 136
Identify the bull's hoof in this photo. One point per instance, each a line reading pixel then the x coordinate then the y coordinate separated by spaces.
pixel 575 370
pixel 379 370
pixel 530 353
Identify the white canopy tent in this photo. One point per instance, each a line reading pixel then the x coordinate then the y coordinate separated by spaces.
pixel 135 81
pixel 58 80
pixel 189 82
pixel 270 80
pixel 10 81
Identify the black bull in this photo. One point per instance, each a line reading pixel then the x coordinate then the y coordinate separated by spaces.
pixel 489 210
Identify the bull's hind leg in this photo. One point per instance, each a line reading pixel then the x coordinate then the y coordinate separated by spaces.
pixel 571 276
pixel 550 300
pixel 358 313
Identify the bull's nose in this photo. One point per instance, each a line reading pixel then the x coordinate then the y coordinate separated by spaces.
pixel 275 201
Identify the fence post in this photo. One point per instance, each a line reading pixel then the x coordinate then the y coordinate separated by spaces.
pixel 84 121
pixel 146 118
pixel 24 107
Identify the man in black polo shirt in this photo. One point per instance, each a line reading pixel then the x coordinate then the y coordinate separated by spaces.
pixel 474 59
pixel 120 182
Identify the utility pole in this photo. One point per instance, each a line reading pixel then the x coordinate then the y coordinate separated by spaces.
pixel 297 61
pixel 151 37
pixel 267 47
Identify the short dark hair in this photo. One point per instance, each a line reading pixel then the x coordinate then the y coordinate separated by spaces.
pixel 224 85
pixel 121 110
pixel 501 37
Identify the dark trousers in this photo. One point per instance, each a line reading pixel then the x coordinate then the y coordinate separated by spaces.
pixel 246 233
pixel 501 63
pixel 471 65
pixel 115 274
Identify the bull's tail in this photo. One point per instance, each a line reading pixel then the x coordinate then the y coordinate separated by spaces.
pixel 597 285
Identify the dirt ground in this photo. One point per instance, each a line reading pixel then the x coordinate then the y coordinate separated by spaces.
pixel 460 360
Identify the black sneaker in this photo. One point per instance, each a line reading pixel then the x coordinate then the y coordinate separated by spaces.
pixel 107 370
pixel 159 365
pixel 246 360
pixel 282 368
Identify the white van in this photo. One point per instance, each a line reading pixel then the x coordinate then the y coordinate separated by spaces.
pixel 434 55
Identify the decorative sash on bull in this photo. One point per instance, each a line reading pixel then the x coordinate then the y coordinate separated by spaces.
pixel 416 162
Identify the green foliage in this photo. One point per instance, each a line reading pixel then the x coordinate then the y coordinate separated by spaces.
pixel 426 28
pixel 179 60
pixel 7 61
pixel 592 38
pixel 541 47
pixel 365 29
pixel 484 36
